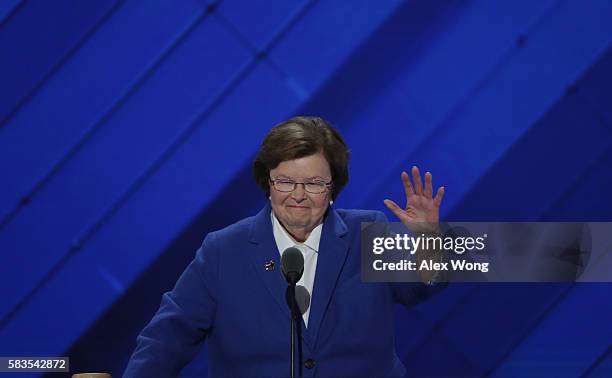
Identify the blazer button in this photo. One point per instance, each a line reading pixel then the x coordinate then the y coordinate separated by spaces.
pixel 309 363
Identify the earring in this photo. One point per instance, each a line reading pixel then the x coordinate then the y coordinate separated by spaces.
pixel 270 198
pixel 331 202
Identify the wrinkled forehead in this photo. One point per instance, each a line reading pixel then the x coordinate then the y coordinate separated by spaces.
pixel 305 168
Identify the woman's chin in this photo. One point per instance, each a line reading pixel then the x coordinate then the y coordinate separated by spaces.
pixel 297 226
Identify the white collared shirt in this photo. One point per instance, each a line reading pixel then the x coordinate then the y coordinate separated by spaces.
pixel 310 251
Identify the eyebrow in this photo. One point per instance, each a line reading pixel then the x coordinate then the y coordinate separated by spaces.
pixel 306 178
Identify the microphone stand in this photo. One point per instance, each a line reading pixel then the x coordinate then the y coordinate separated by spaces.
pixel 296 329
pixel 298 323
pixel 291 289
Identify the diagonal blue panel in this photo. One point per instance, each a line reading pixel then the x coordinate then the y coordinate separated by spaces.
pixel 417 325
pixel 602 367
pixel 484 333
pixel 109 163
pixel 325 39
pixel 436 356
pixel 98 77
pixel 594 184
pixel 569 341
pixel 259 21
pixel 36 43
pixel 554 166
pixel 8 8
pixel 594 89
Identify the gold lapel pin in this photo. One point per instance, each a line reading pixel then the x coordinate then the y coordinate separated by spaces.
pixel 269 265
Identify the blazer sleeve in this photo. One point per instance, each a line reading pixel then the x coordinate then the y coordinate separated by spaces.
pixel 409 293
pixel 185 317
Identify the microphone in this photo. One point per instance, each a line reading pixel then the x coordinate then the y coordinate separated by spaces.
pixel 302 298
pixel 292 265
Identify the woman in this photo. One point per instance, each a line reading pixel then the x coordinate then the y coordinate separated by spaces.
pixel 233 296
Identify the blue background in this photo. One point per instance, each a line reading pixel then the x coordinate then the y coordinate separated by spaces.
pixel 128 128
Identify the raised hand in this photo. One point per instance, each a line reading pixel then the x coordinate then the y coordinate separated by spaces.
pixel 422 211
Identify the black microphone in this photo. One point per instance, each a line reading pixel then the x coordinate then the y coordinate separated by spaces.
pixel 302 298
pixel 292 265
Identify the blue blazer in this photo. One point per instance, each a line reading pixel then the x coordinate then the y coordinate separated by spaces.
pixel 227 297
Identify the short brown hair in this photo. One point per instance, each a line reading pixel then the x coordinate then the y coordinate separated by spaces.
pixel 299 137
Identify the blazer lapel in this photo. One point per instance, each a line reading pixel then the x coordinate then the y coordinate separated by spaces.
pixel 332 255
pixel 265 250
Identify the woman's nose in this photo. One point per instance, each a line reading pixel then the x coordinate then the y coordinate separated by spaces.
pixel 299 193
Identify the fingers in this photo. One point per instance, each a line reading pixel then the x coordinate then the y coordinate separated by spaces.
pixel 407 185
pixel 416 177
pixel 418 189
pixel 428 185
pixel 395 209
pixel 439 196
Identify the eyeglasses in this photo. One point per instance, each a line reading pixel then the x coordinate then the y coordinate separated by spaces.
pixel 313 187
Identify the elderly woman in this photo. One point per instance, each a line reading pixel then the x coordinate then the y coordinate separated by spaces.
pixel 233 296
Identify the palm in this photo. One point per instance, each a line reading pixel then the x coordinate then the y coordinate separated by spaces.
pixel 422 210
